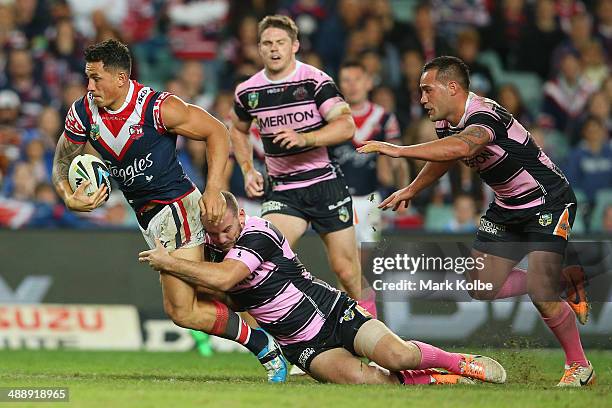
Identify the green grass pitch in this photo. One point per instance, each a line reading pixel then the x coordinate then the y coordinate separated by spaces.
pixel 141 379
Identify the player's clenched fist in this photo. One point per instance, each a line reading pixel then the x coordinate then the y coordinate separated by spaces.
pixel 372 146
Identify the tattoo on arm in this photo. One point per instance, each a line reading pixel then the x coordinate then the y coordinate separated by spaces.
pixel 474 137
pixel 64 153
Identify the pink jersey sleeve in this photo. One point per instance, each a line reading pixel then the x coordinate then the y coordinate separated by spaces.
pixel 244 255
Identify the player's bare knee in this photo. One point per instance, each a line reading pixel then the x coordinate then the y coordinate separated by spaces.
pixel 344 269
pixel 181 315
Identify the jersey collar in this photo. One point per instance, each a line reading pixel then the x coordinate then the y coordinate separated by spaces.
pixel 298 64
pixel 461 123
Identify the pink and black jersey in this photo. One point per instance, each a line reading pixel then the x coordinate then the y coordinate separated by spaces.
pixel 134 143
pixel 279 293
pixel 518 171
pixel 373 123
pixel 299 102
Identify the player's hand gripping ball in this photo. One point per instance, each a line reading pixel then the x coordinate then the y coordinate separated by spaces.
pixel 88 167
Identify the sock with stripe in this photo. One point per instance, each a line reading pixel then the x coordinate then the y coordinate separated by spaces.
pixel 230 325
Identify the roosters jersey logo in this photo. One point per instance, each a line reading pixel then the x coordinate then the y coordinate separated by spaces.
pixel 136 132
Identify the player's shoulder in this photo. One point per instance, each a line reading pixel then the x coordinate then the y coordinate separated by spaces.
pixel 256 226
pixel 255 81
pixel 307 71
pixel 479 106
pixel 77 118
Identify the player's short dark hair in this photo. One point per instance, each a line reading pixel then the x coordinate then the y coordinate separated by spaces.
pixel 450 69
pixel 278 21
pixel 232 203
pixel 352 63
pixel 113 54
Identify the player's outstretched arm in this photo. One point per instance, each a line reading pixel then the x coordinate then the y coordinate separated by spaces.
pixel 194 122
pixel 243 152
pixel 460 146
pixel 340 128
pixel 431 172
pixel 220 276
pixel 65 151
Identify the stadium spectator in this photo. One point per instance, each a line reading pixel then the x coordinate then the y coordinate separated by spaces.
pixel 308 15
pixel 424 35
pixel 508 22
pixel 465 218
pixel 10 134
pixel 25 79
pixel 468 49
pixel 541 35
pixel 193 76
pixel 509 97
pixel 384 96
pixel 603 25
pixel 50 213
pixel 39 160
pixel 565 96
pixel 408 94
pixel 589 166
pixel 195 27
pixel 63 59
pixel 374 65
pixel 579 37
pixel 389 55
pixel 335 31
pixel 113 12
pixel 10 34
pixel 548 140
pixel 566 10
pixel 599 106
pixel 454 16
pixel 594 63
pixel 139 23
pixel 32 18
pixel 71 91
pixel 21 185
pixel 393 29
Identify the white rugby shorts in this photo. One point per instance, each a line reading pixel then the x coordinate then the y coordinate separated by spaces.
pixel 178 224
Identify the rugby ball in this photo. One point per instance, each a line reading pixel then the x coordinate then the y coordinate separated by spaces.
pixel 88 167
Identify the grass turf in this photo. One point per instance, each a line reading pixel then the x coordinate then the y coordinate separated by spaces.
pixel 142 379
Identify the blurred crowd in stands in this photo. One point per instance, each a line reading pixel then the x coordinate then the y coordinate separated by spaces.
pixel 546 61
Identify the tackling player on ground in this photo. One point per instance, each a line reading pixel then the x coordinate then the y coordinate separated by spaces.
pixel 321 329
pixel 534 205
pixel 134 129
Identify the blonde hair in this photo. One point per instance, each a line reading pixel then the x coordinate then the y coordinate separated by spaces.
pixel 278 21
